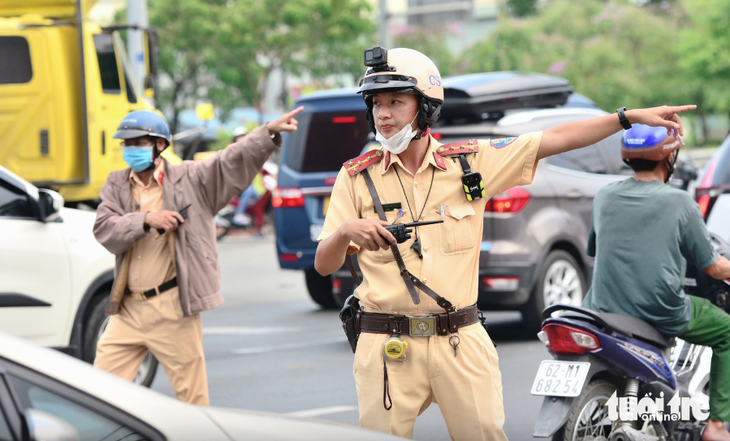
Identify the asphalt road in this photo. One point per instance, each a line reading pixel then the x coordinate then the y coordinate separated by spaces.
pixel 270 348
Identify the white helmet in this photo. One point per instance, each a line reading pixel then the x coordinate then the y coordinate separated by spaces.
pixel 403 70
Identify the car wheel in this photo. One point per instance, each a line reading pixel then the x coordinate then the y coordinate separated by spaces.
pixel 560 281
pixel 320 289
pixel 93 328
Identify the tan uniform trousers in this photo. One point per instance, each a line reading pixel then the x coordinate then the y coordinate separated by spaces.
pixel 156 324
pixel 467 388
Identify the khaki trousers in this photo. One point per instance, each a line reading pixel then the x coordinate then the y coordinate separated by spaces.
pixel 467 388
pixel 156 324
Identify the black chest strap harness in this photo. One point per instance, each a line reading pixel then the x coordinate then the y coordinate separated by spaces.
pixel 409 279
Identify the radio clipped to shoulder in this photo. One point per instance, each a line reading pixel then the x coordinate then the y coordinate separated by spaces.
pixel 472 181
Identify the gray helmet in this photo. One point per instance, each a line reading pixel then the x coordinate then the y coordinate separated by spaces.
pixel 143 123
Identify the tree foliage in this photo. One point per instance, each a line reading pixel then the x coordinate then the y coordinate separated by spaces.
pixel 705 57
pixel 430 40
pixel 522 8
pixel 620 52
pixel 225 50
pixel 616 53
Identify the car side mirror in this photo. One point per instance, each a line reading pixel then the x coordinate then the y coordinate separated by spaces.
pixel 39 425
pixel 50 203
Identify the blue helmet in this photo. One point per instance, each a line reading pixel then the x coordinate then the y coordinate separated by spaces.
pixel 650 143
pixel 143 123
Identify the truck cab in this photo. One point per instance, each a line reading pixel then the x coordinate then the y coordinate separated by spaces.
pixel 65 83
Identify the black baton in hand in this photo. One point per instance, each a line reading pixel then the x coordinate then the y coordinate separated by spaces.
pixel 183 212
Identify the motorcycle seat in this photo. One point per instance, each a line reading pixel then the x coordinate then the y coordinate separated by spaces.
pixel 629 326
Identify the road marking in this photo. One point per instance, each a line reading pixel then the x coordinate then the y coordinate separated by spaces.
pixel 240 330
pixel 322 411
pixel 314 342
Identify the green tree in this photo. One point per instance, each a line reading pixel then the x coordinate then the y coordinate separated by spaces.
pixel 430 40
pixel 318 38
pixel 225 50
pixel 616 53
pixel 705 49
pixel 522 8
pixel 187 39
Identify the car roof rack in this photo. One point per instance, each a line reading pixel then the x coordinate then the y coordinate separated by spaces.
pixel 486 96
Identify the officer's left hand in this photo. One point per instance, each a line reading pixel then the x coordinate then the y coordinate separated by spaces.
pixel 284 123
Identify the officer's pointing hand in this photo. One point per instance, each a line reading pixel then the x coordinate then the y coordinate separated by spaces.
pixel 284 123
pixel 368 234
pixel 663 116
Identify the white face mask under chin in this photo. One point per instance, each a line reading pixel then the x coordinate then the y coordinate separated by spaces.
pixel 398 143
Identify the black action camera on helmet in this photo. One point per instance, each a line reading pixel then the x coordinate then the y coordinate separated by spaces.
pixel 377 56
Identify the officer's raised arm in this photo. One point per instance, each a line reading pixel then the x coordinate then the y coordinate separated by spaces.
pixel 587 132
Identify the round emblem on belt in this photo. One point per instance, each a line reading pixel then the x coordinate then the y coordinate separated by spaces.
pixel 422 327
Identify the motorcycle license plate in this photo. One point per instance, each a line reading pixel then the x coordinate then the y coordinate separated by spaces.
pixel 560 378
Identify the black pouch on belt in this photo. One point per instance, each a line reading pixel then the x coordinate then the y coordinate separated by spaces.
pixel 350 317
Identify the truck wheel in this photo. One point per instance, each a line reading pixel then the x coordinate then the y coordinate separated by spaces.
pixel 320 289
pixel 93 328
pixel 560 281
pixel 588 420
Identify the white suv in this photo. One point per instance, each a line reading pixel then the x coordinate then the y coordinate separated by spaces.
pixel 55 278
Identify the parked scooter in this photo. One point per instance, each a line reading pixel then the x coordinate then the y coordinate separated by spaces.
pixel 257 211
pixel 616 378
pixel 222 224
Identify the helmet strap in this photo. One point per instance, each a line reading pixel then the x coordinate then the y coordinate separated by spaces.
pixel 670 165
pixel 421 133
pixel 155 154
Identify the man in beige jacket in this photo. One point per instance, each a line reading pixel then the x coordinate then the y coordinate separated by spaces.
pixel 167 265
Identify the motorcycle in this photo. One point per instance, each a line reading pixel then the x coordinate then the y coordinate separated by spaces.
pixel 616 378
pixel 222 224
pixel 258 210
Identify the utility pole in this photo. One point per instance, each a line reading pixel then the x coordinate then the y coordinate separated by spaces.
pixel 383 30
pixel 137 15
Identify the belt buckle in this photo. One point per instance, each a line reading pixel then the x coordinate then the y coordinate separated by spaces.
pixel 422 326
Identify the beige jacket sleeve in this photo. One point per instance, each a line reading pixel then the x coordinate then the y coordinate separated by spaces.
pixel 232 170
pixel 116 230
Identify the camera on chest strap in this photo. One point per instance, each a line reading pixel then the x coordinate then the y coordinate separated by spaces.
pixel 471 181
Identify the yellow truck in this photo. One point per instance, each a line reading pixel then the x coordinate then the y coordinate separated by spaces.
pixel 65 83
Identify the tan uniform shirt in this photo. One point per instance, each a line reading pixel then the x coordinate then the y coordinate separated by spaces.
pixel 450 264
pixel 152 260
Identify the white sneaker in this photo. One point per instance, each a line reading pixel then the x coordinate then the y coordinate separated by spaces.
pixel 242 219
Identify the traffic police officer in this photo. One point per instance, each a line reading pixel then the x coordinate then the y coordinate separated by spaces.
pixel 411 351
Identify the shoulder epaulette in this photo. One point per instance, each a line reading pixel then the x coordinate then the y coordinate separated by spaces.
pixel 356 165
pixel 458 148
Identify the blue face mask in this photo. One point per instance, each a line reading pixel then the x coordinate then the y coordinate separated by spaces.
pixel 139 158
